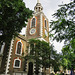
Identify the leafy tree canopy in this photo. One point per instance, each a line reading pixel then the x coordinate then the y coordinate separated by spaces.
pixel 43 54
pixel 13 17
pixel 64 29
pixel 55 59
pixel 39 52
pixel 39 49
pixel 64 23
pixel 68 57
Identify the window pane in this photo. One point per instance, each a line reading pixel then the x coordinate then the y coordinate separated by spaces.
pixel 33 22
pixel 45 23
pixel 17 63
pixel 19 48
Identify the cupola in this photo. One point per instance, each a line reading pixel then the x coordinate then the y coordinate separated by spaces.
pixel 38 7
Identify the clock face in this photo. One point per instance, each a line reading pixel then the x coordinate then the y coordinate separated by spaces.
pixel 46 33
pixel 32 31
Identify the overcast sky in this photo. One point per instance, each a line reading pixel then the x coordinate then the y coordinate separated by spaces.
pixel 49 7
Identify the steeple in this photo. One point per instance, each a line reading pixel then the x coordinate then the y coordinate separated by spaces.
pixel 38 7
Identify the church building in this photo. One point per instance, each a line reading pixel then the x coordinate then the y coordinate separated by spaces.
pixel 11 60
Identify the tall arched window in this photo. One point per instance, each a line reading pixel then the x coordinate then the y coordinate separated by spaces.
pixel 19 48
pixel 45 24
pixel 33 22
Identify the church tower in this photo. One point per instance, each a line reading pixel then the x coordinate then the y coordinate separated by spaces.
pixel 38 25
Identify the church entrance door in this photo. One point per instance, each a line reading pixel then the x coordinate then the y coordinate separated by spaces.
pixel 30 69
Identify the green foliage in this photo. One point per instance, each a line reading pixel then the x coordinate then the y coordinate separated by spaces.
pixel 40 50
pixel 64 29
pixel 64 23
pixel 68 57
pixel 40 53
pixel 55 60
pixel 13 17
pixel 43 54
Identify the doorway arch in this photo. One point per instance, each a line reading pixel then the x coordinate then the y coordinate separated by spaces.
pixel 30 68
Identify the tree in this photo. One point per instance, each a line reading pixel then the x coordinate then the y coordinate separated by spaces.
pixel 64 25
pixel 13 17
pixel 55 59
pixel 64 29
pixel 68 55
pixel 40 53
pixel 44 55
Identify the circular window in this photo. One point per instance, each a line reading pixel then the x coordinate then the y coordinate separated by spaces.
pixel 32 31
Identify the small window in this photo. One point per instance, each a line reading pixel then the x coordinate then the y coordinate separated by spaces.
pixel 45 24
pixel 19 48
pixel 17 63
pixel 33 22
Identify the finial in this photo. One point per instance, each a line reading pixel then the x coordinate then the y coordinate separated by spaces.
pixel 38 1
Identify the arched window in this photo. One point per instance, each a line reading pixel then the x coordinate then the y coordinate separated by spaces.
pixel 33 22
pixel 17 63
pixel 45 24
pixel 19 48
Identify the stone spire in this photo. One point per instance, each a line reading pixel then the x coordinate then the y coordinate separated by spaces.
pixel 38 7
